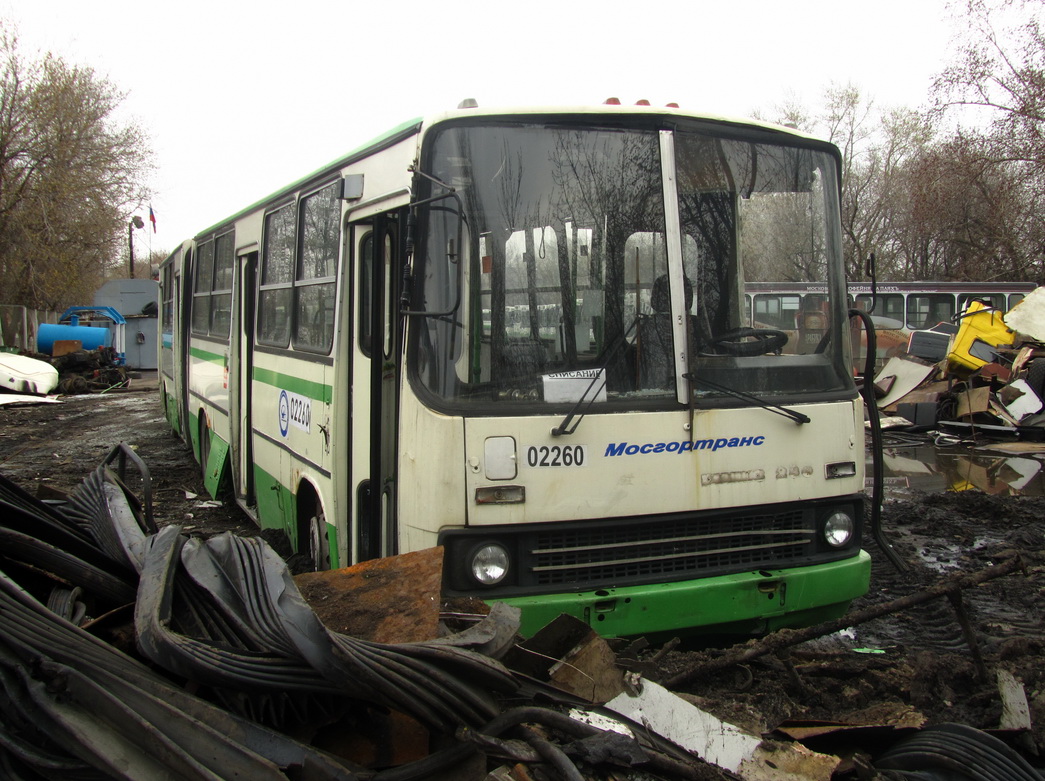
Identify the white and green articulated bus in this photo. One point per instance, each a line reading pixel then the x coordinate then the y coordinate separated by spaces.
pixel 521 335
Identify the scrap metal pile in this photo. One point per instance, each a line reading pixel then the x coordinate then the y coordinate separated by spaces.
pixel 983 374
pixel 33 378
pixel 230 661
pixel 88 371
pixel 130 651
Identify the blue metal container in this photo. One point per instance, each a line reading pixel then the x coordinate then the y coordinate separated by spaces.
pixel 91 337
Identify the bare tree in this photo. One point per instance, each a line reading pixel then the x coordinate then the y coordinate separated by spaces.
pixel 952 192
pixel 877 146
pixel 70 173
pixel 1000 71
pixel 962 217
pixel 994 93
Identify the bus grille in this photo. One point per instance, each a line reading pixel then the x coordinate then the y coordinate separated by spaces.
pixel 643 551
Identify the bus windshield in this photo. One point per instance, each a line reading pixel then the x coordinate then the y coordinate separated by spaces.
pixel 610 264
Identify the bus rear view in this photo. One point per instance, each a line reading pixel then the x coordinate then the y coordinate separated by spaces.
pixel 622 437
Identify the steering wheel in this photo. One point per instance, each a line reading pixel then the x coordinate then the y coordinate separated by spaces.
pixel 763 340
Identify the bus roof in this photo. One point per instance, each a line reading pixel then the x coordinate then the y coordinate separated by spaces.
pixel 414 126
pixel 386 139
pixel 607 110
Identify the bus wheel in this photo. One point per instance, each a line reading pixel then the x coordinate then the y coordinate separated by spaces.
pixel 318 544
pixel 204 446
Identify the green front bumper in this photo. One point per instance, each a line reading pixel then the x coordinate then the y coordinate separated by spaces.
pixel 748 602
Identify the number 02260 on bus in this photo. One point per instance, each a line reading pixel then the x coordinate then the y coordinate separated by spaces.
pixel 522 335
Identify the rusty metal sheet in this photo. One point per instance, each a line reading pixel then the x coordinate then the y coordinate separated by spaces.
pixel 392 600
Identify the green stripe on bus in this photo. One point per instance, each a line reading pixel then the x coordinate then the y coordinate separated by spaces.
pixel 203 355
pixel 313 390
pixel 277 509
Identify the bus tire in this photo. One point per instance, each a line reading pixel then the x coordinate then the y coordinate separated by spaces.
pixel 204 446
pixel 318 544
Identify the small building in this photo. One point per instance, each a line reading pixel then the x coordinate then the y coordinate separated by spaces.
pixel 138 301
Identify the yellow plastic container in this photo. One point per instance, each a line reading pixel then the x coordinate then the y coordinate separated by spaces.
pixel 981 328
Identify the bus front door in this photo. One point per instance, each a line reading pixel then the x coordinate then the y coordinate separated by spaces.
pixel 375 372
pixel 241 371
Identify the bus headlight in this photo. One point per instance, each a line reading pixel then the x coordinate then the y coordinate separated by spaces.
pixel 489 563
pixel 838 529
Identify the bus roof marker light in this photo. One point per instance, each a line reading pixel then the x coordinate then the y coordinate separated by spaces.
pixel 642 102
pixel 468 103
pixel 611 102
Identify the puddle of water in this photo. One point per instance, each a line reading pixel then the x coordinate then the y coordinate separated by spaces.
pixel 940 558
pixel 925 467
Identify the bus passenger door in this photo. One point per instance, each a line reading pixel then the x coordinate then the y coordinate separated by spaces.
pixel 242 368
pixel 375 374
pixel 182 320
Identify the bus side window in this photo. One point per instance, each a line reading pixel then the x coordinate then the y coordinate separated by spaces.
pixel 996 300
pixel 221 298
pixel 365 285
pixel 201 293
pixel 167 275
pixel 314 286
pixel 926 310
pixel 890 305
pixel 893 306
pixel 776 311
pixel 277 278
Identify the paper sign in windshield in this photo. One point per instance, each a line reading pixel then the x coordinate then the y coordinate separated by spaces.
pixel 589 384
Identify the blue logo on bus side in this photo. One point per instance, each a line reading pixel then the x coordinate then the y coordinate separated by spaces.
pixel 684 446
pixel 284 413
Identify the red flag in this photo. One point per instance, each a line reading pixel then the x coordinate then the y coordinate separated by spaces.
pixel 152 218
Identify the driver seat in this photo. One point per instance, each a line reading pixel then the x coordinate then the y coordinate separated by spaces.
pixel 655 340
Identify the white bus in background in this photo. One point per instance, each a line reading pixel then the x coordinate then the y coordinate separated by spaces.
pixel 522 335
pixel 910 305
pixel 898 307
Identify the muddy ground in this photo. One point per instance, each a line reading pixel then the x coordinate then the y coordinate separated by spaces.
pixel 51 447
pixel 913 667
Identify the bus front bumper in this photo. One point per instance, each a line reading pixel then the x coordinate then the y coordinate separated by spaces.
pixel 744 603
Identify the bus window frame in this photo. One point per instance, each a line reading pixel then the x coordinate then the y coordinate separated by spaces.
pixel 199 323
pixel 963 299
pixel 268 286
pixel 226 240
pixel 365 286
pixel 302 283
pixel 205 287
pixel 923 322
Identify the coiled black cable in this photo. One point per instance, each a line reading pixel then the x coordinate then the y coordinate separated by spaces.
pixel 956 751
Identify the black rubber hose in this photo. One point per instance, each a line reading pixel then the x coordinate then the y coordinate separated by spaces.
pixel 877 466
pixel 959 751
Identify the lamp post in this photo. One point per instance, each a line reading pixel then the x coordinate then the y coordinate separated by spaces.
pixel 136 222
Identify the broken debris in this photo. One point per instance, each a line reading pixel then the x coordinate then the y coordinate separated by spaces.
pixel 981 376
pixel 277 692
pixel 25 375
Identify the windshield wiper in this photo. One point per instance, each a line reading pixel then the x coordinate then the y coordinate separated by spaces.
pixel 610 355
pixel 561 429
pixel 776 409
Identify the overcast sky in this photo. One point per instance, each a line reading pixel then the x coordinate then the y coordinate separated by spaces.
pixel 242 98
